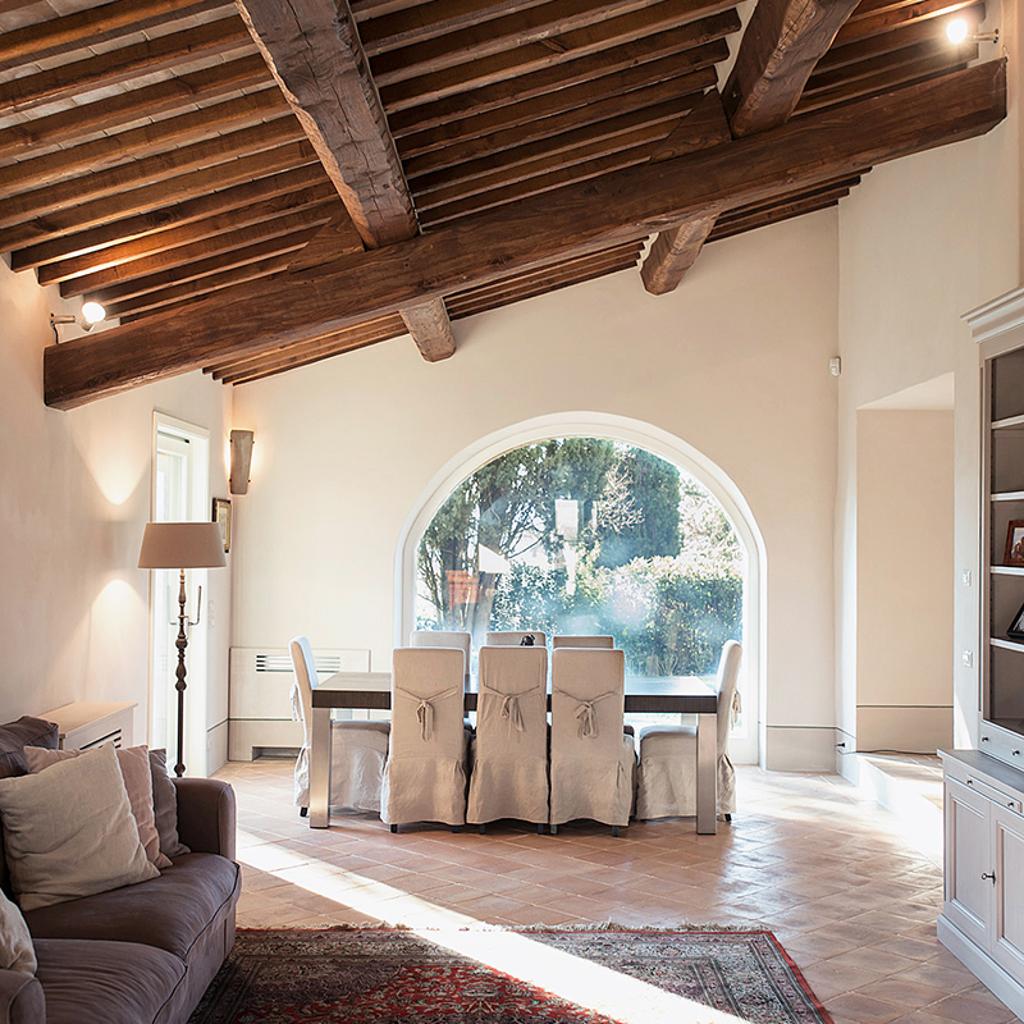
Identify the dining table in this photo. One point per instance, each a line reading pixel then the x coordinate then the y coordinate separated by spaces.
pixel 669 695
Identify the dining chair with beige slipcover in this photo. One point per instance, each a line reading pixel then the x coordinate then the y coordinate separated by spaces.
pixel 510 759
pixel 443 638
pixel 592 761
pixel 425 777
pixel 359 750
pixel 603 642
pixel 515 637
pixel 667 777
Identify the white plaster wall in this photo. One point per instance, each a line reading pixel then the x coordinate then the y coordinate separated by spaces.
pixel 74 497
pixel 905 565
pixel 734 362
pixel 921 241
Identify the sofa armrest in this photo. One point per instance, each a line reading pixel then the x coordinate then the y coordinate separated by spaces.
pixel 206 816
pixel 21 999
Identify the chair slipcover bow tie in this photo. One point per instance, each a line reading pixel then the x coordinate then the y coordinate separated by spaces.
pixel 510 709
pixel 425 708
pixel 586 712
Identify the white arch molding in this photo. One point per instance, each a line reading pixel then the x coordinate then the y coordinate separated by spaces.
pixel 463 464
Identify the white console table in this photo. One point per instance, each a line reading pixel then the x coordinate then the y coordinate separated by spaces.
pixel 982 920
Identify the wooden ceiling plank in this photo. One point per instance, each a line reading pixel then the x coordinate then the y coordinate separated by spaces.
pixel 101 154
pixel 845 182
pixel 182 188
pixel 121 65
pixel 124 108
pixel 673 252
pixel 677 68
pixel 427 21
pixel 270 246
pixel 97 282
pixel 639 200
pixel 866 68
pixel 860 29
pixel 701 128
pixel 70 32
pixel 486 152
pixel 909 34
pixel 162 298
pixel 185 235
pixel 781 45
pixel 185 222
pixel 550 20
pixel 124 179
pixel 901 74
pixel 698 44
pixel 340 110
pixel 649 132
pixel 776 216
pixel 654 18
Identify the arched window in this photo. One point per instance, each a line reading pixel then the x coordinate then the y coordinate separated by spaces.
pixel 581 533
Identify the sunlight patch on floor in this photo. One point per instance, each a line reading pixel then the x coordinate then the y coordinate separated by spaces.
pixel 589 985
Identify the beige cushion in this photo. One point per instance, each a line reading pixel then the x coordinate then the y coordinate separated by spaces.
pixel 138 780
pixel 69 831
pixel 16 950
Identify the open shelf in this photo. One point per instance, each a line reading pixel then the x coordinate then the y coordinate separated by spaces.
pixel 1006 645
pixel 1010 423
pixel 1007 496
pixel 1007 570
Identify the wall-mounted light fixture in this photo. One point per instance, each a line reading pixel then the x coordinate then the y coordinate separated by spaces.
pixel 91 314
pixel 241 460
pixel 958 30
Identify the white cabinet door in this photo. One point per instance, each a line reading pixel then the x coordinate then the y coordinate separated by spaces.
pixel 1008 921
pixel 969 863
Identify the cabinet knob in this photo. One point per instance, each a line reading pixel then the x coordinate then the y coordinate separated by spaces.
pixel 970 782
pixel 984 739
pixel 1016 753
pixel 991 876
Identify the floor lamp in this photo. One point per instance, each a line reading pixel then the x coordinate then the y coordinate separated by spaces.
pixel 182 546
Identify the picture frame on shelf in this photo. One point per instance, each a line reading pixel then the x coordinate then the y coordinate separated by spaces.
pixel 1016 628
pixel 1014 551
pixel 221 515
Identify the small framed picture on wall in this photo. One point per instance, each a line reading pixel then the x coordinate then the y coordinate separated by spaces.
pixel 222 517
pixel 1014 554
pixel 1016 630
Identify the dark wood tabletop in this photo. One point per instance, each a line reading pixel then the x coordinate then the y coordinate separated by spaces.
pixel 679 695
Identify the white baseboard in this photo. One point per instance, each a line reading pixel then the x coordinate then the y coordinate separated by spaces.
pixel 982 966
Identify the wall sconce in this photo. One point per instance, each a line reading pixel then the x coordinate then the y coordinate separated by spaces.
pixel 958 31
pixel 92 313
pixel 241 460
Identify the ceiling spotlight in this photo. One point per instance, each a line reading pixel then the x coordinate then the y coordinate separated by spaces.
pixel 959 31
pixel 92 313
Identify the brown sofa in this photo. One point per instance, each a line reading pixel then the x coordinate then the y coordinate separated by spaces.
pixel 143 954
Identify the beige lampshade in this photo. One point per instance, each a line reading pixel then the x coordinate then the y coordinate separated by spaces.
pixel 182 546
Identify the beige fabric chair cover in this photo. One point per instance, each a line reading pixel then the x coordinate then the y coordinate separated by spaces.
pixel 592 762
pixel 359 750
pixel 667 777
pixel 603 642
pixel 510 762
pixel 514 638
pixel 442 638
pixel 425 778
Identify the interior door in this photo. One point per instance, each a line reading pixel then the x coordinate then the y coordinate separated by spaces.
pixel 1008 920
pixel 969 892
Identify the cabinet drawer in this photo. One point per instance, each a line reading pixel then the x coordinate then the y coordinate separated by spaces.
pixel 960 773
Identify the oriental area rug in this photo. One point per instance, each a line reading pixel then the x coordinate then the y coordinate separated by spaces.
pixel 551 976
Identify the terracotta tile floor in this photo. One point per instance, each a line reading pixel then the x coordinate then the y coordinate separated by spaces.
pixel 828 872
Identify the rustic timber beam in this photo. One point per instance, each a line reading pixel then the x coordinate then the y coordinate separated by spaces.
pixel 783 42
pixel 640 200
pixel 674 251
pixel 313 50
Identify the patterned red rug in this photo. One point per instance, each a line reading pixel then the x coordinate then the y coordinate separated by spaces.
pixel 386 976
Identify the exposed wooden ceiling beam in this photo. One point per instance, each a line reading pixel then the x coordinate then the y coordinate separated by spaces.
pixel 673 252
pixel 121 65
pixel 57 37
pixel 859 29
pixel 639 200
pixel 110 112
pixel 339 108
pixel 781 45
pixel 596 72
